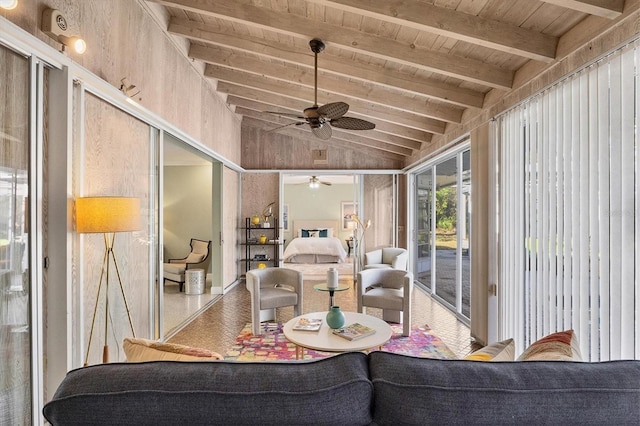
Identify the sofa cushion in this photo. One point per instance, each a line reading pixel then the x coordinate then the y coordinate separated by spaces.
pixel 140 350
pixel 560 346
pixel 498 351
pixel 411 390
pixel 334 390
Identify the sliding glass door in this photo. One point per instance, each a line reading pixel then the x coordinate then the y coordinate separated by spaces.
pixel 442 230
pixel 15 282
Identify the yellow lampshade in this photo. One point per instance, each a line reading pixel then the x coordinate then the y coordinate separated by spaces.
pixel 107 214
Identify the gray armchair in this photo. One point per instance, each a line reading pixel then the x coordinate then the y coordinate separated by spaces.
pixel 387 257
pixel 273 288
pixel 199 258
pixel 389 290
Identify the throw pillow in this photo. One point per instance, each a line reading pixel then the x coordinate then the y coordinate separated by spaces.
pixel 560 346
pixel 323 233
pixel 141 350
pixel 498 351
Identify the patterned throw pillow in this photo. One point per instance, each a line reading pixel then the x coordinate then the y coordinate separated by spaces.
pixel 141 350
pixel 498 351
pixel 560 346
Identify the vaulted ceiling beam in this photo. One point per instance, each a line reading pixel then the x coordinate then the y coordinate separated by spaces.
pixel 247 104
pixel 371 74
pixel 610 9
pixel 239 68
pixel 336 133
pixel 352 40
pixel 418 136
pixel 290 92
pixel 449 23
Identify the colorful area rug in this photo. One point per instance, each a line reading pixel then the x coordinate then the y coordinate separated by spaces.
pixel 273 346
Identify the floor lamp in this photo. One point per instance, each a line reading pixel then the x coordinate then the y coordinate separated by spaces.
pixel 107 215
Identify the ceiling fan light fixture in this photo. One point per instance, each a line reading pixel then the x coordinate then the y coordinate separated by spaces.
pixel 317 116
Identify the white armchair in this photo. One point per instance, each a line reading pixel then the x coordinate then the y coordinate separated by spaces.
pixel 387 257
pixel 273 288
pixel 389 290
pixel 199 258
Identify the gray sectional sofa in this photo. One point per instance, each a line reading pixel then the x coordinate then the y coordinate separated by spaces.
pixel 350 389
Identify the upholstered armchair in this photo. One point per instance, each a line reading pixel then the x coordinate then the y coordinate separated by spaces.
pixel 387 257
pixel 199 258
pixel 389 290
pixel 272 288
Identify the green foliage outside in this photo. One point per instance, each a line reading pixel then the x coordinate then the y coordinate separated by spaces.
pixel 446 208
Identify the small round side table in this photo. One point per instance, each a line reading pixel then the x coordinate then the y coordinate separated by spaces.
pixel 323 287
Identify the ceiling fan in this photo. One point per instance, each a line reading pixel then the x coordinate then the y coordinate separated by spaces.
pixel 322 118
pixel 314 182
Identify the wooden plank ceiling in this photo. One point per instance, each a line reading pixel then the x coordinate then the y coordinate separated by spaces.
pixel 412 67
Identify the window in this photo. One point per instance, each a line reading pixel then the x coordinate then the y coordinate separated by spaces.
pixel 569 222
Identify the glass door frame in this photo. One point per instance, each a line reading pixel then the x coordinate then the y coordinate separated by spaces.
pixel 412 218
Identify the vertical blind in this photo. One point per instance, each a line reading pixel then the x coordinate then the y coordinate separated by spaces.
pixel 569 228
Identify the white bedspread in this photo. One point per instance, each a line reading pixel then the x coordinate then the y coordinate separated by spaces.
pixel 323 246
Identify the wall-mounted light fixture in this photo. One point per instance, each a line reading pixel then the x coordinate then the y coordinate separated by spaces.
pixel 128 89
pixel 8 4
pixel 55 26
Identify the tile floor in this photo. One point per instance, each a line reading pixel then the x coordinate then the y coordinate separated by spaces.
pixel 217 327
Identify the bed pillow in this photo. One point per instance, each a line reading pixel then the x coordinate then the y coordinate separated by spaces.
pixel 498 351
pixel 141 350
pixel 560 346
pixel 323 233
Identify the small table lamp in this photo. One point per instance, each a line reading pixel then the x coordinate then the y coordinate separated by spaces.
pixel 107 215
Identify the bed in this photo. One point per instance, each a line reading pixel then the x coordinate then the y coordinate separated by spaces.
pixel 315 243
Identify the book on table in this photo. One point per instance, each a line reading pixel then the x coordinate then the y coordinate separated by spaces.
pixel 354 331
pixel 308 324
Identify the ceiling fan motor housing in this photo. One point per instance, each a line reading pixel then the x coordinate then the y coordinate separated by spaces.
pixel 316 45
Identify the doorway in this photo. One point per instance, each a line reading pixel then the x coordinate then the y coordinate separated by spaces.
pixel 189 200
pixel 442 231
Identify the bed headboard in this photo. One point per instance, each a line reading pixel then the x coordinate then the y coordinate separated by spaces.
pixel 315 224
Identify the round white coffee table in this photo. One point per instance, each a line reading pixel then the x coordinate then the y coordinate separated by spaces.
pixel 324 339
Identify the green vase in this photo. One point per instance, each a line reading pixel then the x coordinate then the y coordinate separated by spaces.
pixel 335 317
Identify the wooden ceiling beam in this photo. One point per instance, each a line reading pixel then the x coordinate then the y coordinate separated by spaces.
pixel 337 134
pixel 352 40
pixel 238 67
pixel 409 133
pixel 371 74
pixel 449 23
pixel 247 104
pixel 293 91
pixel 610 9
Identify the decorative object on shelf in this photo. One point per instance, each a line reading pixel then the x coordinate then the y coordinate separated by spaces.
pixel 332 278
pixel 261 245
pixel 107 215
pixel 335 317
pixel 261 265
pixel 255 220
pixel 267 212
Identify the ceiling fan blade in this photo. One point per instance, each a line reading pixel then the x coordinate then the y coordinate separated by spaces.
pixel 322 132
pixel 333 110
pixel 285 114
pixel 326 183
pixel 351 123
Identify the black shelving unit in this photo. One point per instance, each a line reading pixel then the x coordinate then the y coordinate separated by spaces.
pixel 253 249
